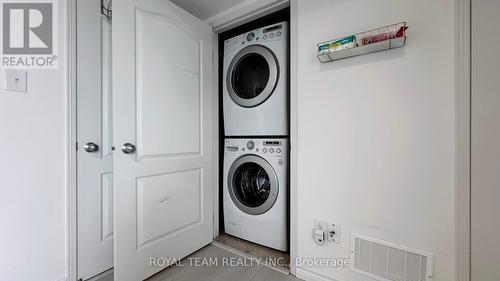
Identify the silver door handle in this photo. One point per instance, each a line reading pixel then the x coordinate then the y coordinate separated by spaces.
pixel 91 147
pixel 128 148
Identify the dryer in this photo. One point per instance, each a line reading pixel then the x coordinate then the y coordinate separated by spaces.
pixel 255 191
pixel 255 82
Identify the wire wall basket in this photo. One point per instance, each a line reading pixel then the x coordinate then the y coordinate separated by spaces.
pixel 107 9
pixel 376 40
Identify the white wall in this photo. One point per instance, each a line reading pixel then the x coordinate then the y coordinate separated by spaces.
pixel 376 133
pixel 376 143
pixel 32 174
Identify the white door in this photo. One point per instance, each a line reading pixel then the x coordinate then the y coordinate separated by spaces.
pixel 162 80
pixel 95 178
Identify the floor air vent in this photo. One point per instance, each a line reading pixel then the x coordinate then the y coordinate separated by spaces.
pixel 386 261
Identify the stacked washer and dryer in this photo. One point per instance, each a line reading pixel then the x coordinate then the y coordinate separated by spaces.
pixel 255 109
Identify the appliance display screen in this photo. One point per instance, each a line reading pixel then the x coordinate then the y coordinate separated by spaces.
pixel 272 143
pixel 272 28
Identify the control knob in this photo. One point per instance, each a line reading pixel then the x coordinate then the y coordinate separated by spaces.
pixel 250 145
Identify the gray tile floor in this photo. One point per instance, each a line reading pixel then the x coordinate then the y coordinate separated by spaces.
pixel 255 250
pixel 245 271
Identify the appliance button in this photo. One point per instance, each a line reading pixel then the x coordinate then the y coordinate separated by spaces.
pixel 271 35
pixel 278 33
pixel 250 36
pixel 271 150
pixel 278 150
pixel 264 37
pixel 264 150
pixel 250 145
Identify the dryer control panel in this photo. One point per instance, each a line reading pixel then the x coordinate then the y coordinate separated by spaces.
pixel 257 146
pixel 273 32
pixel 272 146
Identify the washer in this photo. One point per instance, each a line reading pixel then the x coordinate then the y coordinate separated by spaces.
pixel 256 191
pixel 255 72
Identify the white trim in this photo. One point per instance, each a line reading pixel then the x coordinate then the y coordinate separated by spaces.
pixel 463 188
pixel 244 12
pixel 293 106
pixel 310 275
pixel 215 98
pixel 293 135
pixel 72 246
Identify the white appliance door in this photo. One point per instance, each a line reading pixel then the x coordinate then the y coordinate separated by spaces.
pixel 252 76
pixel 252 184
pixel 162 62
pixel 95 163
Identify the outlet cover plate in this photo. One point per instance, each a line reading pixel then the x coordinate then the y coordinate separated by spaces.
pixel 333 232
pixel 327 228
pixel 15 80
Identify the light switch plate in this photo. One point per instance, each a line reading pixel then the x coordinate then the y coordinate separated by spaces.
pixel 15 80
pixel 331 230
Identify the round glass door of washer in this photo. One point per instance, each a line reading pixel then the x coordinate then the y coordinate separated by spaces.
pixel 252 76
pixel 253 185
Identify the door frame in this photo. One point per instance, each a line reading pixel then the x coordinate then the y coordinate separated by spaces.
pixel 463 146
pixel 294 134
pixel 71 167
pixel 246 12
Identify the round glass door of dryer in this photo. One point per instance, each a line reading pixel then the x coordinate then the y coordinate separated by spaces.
pixel 252 184
pixel 252 76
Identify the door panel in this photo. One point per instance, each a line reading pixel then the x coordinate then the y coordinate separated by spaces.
pixel 174 71
pixel 107 206
pixel 158 197
pixel 163 103
pixel 94 109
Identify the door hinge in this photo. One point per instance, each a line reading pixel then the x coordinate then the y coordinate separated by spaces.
pixel 76 146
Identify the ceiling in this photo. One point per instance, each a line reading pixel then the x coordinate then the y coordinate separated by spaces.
pixel 205 9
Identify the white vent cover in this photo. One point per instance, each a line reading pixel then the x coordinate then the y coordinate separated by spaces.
pixel 386 261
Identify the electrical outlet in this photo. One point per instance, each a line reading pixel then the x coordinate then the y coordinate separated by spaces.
pixel 319 237
pixel 318 232
pixel 15 80
pixel 333 232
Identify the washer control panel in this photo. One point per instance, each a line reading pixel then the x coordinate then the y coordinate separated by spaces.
pixel 269 33
pixel 263 146
pixel 272 146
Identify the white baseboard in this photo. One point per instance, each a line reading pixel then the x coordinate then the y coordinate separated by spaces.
pixel 310 275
